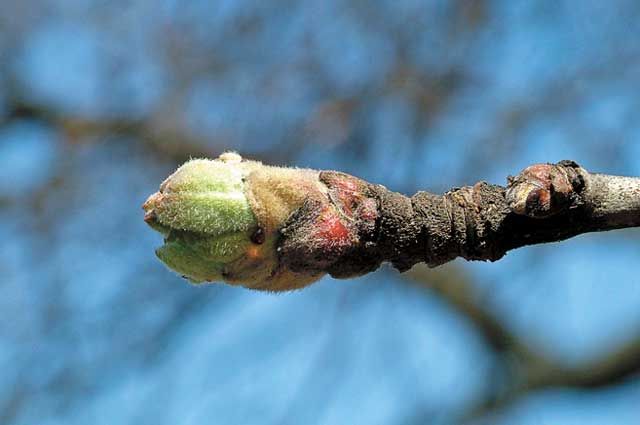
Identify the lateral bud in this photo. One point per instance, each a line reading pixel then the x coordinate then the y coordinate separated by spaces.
pixel 544 190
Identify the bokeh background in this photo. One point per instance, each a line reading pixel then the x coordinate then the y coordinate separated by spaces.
pixel 100 100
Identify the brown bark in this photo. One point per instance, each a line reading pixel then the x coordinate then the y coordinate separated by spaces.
pixel 544 203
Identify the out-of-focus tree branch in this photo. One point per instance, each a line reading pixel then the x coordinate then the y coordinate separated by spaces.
pixel 162 132
pixel 173 143
pixel 521 369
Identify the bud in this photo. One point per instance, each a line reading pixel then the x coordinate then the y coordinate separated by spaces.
pixel 543 190
pixel 221 221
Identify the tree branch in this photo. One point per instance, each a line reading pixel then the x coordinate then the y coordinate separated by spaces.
pixel 544 203
pixel 295 225
pixel 539 373
pixel 519 368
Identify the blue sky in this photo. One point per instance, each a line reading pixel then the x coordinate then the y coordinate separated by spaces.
pixel 93 329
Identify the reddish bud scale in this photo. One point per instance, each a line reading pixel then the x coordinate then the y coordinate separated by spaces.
pixel 543 190
pixel 324 233
pixel 332 231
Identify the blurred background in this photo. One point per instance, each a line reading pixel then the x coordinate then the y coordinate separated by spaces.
pixel 100 100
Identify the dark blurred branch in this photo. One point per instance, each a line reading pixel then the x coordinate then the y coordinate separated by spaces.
pixel 539 374
pixel 613 368
pixel 524 369
pixel 162 133
pixel 451 283
pixel 175 144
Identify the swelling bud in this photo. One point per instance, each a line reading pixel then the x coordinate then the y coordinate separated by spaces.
pixel 221 221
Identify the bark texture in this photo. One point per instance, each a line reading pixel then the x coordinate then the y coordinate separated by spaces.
pixel 544 203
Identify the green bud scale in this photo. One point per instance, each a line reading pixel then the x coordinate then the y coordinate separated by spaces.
pixel 221 219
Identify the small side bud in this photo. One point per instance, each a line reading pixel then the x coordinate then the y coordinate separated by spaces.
pixel 543 190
